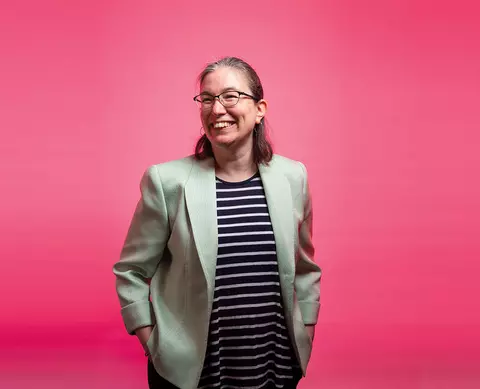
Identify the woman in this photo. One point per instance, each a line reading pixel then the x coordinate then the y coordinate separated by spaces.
pixel 216 277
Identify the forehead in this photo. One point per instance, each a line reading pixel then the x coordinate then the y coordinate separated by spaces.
pixel 223 78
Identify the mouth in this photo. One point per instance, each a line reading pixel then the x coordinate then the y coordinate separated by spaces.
pixel 222 125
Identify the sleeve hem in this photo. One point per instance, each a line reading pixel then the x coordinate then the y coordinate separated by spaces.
pixel 310 311
pixel 137 315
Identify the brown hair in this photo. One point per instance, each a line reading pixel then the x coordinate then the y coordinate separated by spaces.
pixel 262 149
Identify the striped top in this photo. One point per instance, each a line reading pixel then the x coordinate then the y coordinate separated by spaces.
pixel 248 344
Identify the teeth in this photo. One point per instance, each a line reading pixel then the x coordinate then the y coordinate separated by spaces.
pixel 222 124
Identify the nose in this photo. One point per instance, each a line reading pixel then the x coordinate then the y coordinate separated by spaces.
pixel 217 107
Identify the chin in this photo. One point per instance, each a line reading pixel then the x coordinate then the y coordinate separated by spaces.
pixel 225 138
pixel 223 141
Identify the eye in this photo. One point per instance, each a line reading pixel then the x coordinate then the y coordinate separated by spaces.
pixel 230 96
pixel 206 99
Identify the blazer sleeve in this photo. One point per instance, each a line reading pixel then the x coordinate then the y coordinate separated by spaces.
pixel 143 248
pixel 308 273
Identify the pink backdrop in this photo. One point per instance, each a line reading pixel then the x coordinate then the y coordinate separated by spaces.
pixel 378 98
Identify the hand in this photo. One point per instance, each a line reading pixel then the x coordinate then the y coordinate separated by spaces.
pixel 143 334
pixel 311 331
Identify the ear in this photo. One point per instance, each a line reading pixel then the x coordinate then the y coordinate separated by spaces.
pixel 261 110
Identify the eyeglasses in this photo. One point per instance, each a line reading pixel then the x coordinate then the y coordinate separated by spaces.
pixel 228 99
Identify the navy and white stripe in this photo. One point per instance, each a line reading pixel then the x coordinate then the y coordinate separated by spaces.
pixel 248 343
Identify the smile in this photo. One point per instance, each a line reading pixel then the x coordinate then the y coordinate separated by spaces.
pixel 223 124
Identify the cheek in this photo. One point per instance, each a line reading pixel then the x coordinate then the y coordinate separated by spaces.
pixel 203 117
pixel 249 119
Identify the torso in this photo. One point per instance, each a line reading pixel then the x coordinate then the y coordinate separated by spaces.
pixel 248 343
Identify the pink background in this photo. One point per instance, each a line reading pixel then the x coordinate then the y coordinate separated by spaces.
pixel 380 99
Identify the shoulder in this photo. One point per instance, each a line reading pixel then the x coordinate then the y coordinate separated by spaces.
pixel 294 170
pixel 170 174
pixel 295 173
pixel 175 165
pixel 172 170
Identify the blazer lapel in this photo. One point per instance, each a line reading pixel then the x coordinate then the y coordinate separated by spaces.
pixel 280 207
pixel 202 209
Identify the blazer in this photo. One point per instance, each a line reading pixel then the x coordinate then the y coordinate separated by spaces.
pixel 166 272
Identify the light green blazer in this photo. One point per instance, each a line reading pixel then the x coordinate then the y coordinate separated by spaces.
pixel 166 273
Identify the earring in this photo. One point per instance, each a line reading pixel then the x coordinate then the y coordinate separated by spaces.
pixel 202 133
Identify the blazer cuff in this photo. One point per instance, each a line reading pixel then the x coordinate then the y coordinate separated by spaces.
pixel 309 311
pixel 137 315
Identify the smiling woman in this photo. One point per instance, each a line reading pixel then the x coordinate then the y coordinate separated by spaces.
pixel 216 277
pixel 240 102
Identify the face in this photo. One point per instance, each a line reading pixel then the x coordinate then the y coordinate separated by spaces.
pixel 225 127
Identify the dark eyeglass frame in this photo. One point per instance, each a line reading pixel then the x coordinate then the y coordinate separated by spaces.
pixel 219 99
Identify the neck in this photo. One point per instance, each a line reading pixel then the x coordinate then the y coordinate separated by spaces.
pixel 234 165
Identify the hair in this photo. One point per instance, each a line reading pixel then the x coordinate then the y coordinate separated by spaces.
pixel 262 148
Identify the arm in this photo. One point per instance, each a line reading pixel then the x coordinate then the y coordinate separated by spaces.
pixel 308 273
pixel 143 248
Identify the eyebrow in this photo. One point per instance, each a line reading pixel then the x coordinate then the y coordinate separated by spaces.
pixel 228 88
